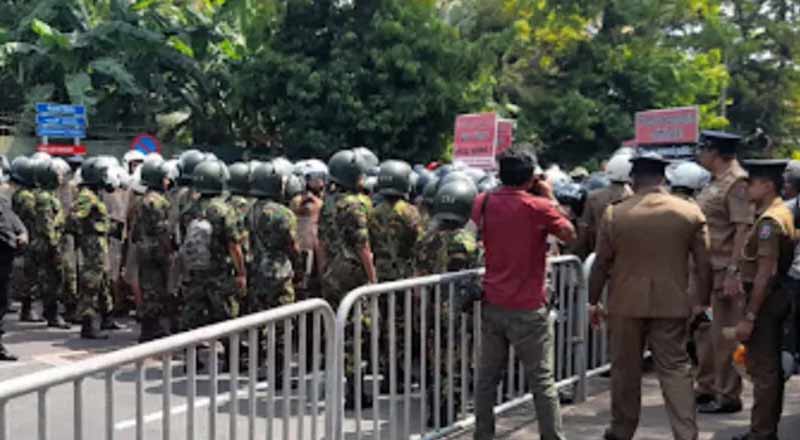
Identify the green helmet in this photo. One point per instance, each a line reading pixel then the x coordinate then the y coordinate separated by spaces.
pixel 153 173
pixel 187 162
pixel 22 171
pixel 347 169
pixel 394 179
pixel 210 177
pixel 240 178
pixel 453 201
pixel 295 186
pixel 453 176
pixel 267 182
pixel 46 175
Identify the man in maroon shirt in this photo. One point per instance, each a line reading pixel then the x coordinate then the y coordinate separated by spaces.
pixel 515 225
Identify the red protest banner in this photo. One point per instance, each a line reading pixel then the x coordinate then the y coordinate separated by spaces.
pixel 668 126
pixel 505 135
pixel 476 140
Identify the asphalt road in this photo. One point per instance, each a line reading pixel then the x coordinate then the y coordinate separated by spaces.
pixel 40 348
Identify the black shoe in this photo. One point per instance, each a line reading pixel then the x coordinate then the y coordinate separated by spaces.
pixel 58 322
pixel 5 356
pixel 715 407
pixel 110 324
pixel 90 329
pixel 27 314
pixel 609 436
pixel 703 398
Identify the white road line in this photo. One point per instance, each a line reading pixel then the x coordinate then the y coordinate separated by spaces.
pixel 10 365
pixel 222 398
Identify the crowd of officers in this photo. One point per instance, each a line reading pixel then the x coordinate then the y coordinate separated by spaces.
pixel 704 270
pixel 191 241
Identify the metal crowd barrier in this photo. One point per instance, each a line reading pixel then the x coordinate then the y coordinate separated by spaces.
pixel 101 375
pixel 431 341
pixel 598 361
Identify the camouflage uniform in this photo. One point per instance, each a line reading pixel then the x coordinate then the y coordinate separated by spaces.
pixel 344 228
pixel 66 194
pixel 151 238
pixel 211 296
pixel 45 250
pixel 397 223
pixel 274 241
pixel 23 202
pixel 242 205
pixel 90 224
pixel 441 251
pixel 274 246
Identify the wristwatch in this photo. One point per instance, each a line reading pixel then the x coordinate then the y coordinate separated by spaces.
pixel 750 316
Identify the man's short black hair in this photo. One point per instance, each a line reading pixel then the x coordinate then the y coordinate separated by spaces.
pixel 516 166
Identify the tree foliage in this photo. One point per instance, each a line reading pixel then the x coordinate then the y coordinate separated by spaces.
pixel 307 77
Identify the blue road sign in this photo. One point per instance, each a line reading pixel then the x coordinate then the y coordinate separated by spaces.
pixel 60 109
pixel 60 132
pixel 53 121
pixel 146 144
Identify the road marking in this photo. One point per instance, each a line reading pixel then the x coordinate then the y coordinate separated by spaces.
pixel 222 398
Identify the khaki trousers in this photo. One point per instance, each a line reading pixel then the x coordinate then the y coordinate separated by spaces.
pixel 764 366
pixel 666 339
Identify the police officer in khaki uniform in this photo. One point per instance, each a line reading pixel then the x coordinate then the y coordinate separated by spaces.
pixel 643 249
pixel 618 171
pixel 729 212
pixel 767 256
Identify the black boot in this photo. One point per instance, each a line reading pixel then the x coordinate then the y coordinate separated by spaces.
pixel 108 323
pixel 90 329
pixel 71 314
pixel 27 314
pixel 5 355
pixel 147 330
pixel 54 320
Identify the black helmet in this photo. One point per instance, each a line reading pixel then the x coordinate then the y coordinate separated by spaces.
pixel 453 201
pixel 347 169
pixel 572 195
pixel 153 173
pixel 597 181
pixel 22 171
pixel 45 174
pixel 96 172
pixel 394 179
pixel 455 175
pixel 368 158
pixel 266 182
pixel 295 186
pixel 429 192
pixel 210 177
pixel 423 177
pixel 240 178
pixel 187 162
pixel 444 170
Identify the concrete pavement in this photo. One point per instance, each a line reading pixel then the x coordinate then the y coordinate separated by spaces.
pixel 590 419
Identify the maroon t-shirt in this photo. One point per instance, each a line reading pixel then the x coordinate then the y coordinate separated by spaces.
pixel 515 229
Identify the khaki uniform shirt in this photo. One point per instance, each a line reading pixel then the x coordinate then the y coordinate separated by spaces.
pixel 725 204
pixel 643 250
pixel 596 204
pixel 772 236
